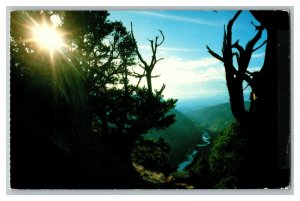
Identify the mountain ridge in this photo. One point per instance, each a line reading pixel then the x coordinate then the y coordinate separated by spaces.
pixel 182 136
pixel 214 118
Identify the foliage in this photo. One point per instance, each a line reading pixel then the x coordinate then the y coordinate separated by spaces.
pixel 199 167
pixel 226 157
pixel 80 97
pixel 105 53
pixel 181 174
pixel 181 136
pixel 264 138
pixel 151 153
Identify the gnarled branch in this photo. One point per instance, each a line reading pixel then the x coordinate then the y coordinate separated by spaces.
pixel 260 46
pixel 137 50
pixel 214 54
pixel 148 67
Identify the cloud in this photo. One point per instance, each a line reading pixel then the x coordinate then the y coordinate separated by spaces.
pixel 173 49
pixel 199 70
pixel 189 78
pixel 179 64
pixel 200 63
pixel 181 19
pixel 204 77
pixel 258 55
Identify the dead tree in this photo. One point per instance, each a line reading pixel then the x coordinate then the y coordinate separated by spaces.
pixel 273 89
pixel 236 76
pixel 148 67
pixel 266 160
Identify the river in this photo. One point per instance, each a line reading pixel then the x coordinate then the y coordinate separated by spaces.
pixel 190 157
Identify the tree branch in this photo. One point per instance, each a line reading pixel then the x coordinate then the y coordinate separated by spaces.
pixel 148 68
pixel 260 46
pixel 256 27
pixel 228 36
pixel 161 90
pixel 250 45
pixel 138 83
pixel 214 54
pixel 238 47
pixel 142 66
pixel 155 76
pixel 137 75
pixel 237 55
pixel 230 23
pixel 137 50
pixel 163 37
pixel 158 60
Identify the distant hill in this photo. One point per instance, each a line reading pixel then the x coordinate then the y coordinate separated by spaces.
pixel 182 136
pixel 214 118
pixel 191 104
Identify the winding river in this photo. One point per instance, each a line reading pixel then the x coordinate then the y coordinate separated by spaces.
pixel 184 164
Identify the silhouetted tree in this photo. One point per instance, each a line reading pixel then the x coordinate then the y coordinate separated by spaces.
pixel 235 77
pixel 41 108
pixel 148 67
pixel 261 121
pixel 79 101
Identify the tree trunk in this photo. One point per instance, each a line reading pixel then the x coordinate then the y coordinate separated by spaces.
pixel 268 130
pixel 149 82
pixel 273 84
pixel 235 89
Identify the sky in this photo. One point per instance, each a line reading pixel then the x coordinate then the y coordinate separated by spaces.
pixel 187 69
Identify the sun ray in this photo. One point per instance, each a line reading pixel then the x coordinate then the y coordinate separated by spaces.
pixel 47 38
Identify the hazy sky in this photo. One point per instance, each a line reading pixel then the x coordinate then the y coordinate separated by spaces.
pixel 187 69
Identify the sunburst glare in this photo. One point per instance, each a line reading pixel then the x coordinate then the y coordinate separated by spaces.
pixel 48 37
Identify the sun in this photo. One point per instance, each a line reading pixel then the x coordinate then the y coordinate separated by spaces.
pixel 47 37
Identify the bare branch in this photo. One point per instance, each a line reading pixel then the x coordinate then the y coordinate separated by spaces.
pixel 260 46
pixel 137 50
pixel 138 83
pixel 250 45
pixel 250 73
pixel 143 67
pixel 256 27
pixel 137 75
pixel 238 47
pixel 214 54
pixel 152 46
pixel 155 76
pixel 246 87
pixel 230 23
pixel 156 38
pixel 163 38
pixel 148 68
pixel 237 55
pixel 227 49
pixel 161 90
pixel 157 60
